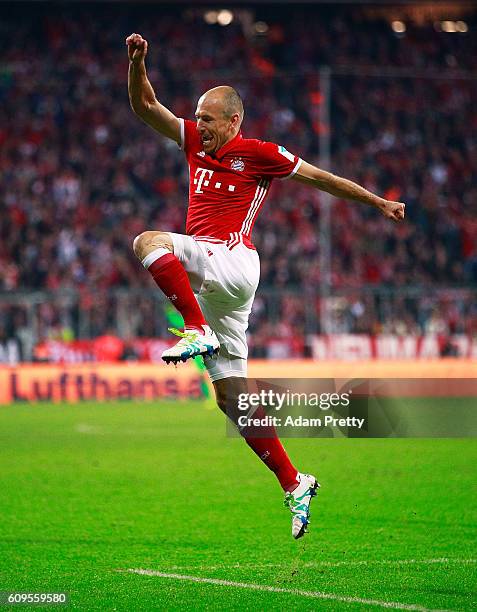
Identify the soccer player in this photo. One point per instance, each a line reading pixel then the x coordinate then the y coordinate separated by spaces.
pixel 211 274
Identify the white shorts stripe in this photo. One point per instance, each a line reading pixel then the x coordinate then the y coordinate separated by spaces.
pixel 235 239
pixel 206 237
pixel 211 240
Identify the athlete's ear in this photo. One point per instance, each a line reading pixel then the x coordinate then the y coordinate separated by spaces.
pixel 235 121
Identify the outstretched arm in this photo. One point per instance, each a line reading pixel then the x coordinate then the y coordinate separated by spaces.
pixel 141 94
pixel 343 188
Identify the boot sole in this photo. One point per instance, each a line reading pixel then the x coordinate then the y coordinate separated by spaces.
pixel 303 530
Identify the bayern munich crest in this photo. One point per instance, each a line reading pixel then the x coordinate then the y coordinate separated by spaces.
pixel 237 164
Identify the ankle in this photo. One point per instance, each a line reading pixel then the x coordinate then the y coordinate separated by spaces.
pixel 290 487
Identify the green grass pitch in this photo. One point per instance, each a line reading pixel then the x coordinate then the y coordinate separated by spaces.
pixel 90 489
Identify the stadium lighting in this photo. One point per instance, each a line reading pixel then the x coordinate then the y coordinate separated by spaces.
pixel 451 26
pixel 448 26
pixel 210 17
pixel 225 17
pixel 398 26
pixel 260 27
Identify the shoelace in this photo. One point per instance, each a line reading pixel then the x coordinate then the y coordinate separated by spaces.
pixel 185 335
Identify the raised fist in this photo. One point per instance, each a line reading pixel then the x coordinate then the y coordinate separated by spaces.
pixel 393 210
pixel 137 47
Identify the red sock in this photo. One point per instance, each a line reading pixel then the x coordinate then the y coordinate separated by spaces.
pixel 271 452
pixel 172 279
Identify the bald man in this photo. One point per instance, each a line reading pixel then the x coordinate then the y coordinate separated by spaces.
pixel 211 273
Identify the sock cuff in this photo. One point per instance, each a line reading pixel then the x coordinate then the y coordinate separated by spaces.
pixel 154 256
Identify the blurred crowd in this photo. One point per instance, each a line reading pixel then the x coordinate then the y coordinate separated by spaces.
pixel 81 176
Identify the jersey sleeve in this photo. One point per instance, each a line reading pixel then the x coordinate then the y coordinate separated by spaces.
pixel 190 140
pixel 275 161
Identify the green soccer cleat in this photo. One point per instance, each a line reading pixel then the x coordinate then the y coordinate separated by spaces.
pixel 298 502
pixel 191 344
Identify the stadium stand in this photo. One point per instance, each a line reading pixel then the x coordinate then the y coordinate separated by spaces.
pixel 80 176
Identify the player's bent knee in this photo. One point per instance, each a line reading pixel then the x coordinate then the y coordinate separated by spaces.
pixel 142 243
pixel 147 241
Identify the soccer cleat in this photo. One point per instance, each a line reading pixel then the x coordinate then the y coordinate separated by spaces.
pixel 298 502
pixel 191 344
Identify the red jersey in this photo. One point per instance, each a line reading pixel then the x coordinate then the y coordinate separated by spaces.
pixel 227 189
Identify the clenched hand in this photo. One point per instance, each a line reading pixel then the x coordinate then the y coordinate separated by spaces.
pixel 137 47
pixel 393 210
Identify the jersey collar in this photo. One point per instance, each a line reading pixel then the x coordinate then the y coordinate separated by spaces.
pixel 224 149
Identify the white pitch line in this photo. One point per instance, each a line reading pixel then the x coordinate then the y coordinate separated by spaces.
pixel 307 564
pixel 271 589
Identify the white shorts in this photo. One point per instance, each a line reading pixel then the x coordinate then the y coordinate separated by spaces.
pixel 224 280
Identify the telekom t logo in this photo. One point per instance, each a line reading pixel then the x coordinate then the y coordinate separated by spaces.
pixel 202 176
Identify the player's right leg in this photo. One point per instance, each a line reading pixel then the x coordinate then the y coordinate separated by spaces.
pixel 226 300
pixel 299 488
pixel 156 252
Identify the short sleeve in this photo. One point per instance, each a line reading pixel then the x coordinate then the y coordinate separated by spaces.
pixel 275 161
pixel 190 140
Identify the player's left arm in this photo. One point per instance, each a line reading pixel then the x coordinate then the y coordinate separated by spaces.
pixel 343 188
